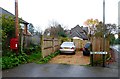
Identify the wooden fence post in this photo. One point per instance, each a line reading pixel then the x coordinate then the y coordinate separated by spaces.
pixel 42 45
pixel 52 44
pixel 21 40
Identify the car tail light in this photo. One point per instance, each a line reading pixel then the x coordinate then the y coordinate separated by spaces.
pixel 72 48
pixel 83 48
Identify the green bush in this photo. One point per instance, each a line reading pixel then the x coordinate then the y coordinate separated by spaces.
pixel 34 56
pixel 32 49
pixel 117 41
pixel 13 60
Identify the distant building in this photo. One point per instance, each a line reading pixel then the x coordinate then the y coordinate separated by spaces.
pixel 80 32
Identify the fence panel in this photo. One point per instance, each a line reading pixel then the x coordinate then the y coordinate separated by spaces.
pixel 79 43
pixel 49 45
pixel 56 44
pixel 97 46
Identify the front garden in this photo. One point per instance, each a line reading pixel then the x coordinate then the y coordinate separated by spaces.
pixel 11 60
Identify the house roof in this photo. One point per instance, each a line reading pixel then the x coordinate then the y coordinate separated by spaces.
pixel 3 11
pixel 85 29
pixel 77 28
pixel 78 32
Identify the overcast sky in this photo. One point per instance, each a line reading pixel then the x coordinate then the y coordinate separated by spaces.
pixel 66 12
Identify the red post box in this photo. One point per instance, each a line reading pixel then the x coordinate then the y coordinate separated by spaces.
pixel 14 43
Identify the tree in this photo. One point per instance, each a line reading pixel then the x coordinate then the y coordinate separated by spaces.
pixel 99 30
pixel 96 27
pixel 8 30
pixel 109 31
pixel 112 39
pixel 31 28
pixel 55 30
pixel 60 31
pixel 110 28
pixel 117 41
pixel 90 23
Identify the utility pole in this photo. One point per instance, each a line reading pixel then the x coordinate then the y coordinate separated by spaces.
pixel 103 32
pixel 16 24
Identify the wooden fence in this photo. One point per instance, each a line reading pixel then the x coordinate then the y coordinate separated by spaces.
pixel 97 46
pixel 79 43
pixel 49 45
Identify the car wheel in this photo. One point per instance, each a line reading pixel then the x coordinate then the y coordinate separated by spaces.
pixel 86 53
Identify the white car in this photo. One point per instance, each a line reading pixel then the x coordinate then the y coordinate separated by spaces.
pixel 67 47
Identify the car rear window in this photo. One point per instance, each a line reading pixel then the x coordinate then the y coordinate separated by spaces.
pixel 87 45
pixel 68 43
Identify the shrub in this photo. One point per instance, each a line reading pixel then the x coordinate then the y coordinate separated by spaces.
pixel 32 49
pixel 117 41
pixel 12 60
pixel 34 56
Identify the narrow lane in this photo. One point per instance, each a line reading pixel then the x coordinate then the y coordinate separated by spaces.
pixel 59 70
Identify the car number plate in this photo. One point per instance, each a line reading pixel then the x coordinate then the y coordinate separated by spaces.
pixel 65 47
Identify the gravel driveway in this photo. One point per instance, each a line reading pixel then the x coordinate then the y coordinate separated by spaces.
pixel 77 59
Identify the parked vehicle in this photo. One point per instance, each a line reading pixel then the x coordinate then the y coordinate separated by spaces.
pixel 86 49
pixel 68 47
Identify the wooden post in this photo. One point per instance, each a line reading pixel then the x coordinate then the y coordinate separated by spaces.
pixel 53 45
pixel 21 40
pixel 16 19
pixel 26 29
pixel 91 59
pixel 16 24
pixel 42 45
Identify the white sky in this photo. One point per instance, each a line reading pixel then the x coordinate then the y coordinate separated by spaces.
pixel 66 12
